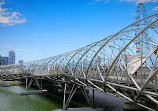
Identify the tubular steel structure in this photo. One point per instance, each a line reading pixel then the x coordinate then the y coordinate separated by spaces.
pixel 111 65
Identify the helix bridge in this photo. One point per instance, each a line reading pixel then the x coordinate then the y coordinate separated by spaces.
pixel 116 65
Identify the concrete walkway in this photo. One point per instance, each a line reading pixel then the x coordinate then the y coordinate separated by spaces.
pixel 81 109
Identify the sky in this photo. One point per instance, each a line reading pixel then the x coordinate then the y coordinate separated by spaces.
pixel 37 29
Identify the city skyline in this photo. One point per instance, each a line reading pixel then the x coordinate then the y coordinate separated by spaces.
pixel 47 29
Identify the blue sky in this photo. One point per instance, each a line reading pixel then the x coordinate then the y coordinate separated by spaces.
pixel 37 29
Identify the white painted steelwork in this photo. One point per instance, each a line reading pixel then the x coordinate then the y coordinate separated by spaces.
pixel 111 65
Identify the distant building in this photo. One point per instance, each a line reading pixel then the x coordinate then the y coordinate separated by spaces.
pixel 20 61
pixel 4 60
pixel 11 57
pixel 0 60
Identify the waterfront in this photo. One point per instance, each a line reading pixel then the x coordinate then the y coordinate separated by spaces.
pixel 11 100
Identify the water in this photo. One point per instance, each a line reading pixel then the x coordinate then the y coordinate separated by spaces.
pixel 11 100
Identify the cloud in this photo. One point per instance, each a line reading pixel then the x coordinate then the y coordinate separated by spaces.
pixel 25 50
pixel 99 1
pixel 155 9
pixel 136 1
pixel 141 1
pixel 10 18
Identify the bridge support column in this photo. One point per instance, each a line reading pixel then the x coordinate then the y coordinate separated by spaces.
pixel 93 102
pixel 28 85
pixel 71 94
pixel 64 95
pixel 41 84
pixel 26 82
pixel 85 95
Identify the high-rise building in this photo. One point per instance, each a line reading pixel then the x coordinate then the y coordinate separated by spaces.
pixel 4 60
pixel 11 57
pixel 0 60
